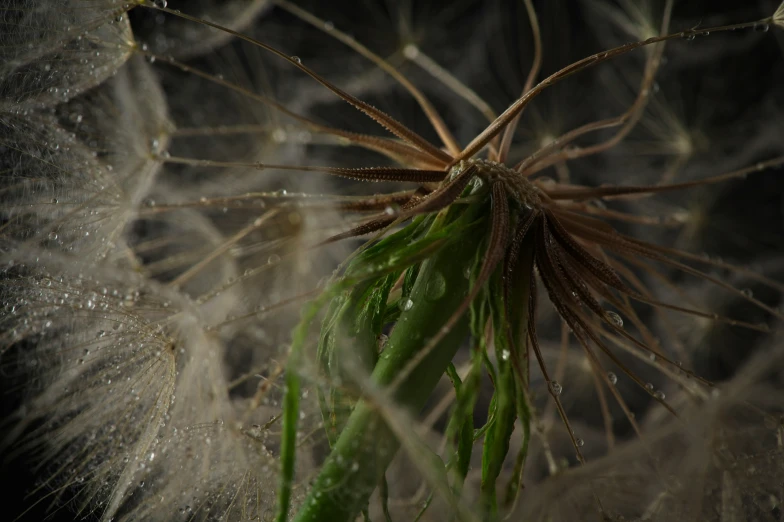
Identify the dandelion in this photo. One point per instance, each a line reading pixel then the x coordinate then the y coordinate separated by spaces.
pixel 165 222
pixel 778 16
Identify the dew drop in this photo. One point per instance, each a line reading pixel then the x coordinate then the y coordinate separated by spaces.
pixel 505 355
pixel 296 59
pixel 580 443
pixel 556 388
pixel 612 377
pixel 649 387
pixel 411 51
pixel 747 292
pixel 436 287
pixel 407 305
pixel 616 319
pixel 761 28
pixel 279 135
pixel 659 395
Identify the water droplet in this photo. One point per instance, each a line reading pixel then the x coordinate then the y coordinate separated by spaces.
pixel 659 395
pixel 329 26
pixel 761 28
pixel 747 292
pixel 406 305
pixel 505 355
pixel 612 377
pixel 411 51
pixel 296 59
pixel 616 319
pixel 436 287
pixel 580 443
pixel 279 135
pixel 556 388
pixel 649 387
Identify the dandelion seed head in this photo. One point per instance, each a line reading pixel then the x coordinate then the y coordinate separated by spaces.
pixel 778 16
pixel 157 246
pixel 42 70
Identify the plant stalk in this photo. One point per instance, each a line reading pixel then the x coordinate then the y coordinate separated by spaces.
pixel 367 445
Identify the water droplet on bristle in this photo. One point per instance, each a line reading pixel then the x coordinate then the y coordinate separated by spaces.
pixel 616 319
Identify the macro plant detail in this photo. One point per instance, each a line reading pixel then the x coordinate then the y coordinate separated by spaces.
pixel 191 352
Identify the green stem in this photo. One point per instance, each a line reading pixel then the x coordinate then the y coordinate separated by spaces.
pixel 367 444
